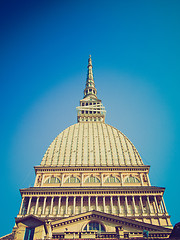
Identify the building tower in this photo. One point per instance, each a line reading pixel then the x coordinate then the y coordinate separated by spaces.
pixel 91 183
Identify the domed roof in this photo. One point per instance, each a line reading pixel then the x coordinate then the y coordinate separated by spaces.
pixel 91 144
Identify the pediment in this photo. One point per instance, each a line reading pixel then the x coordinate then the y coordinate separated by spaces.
pixel 114 220
pixel 31 221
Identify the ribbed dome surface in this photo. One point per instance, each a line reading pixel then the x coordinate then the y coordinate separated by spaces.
pixel 91 144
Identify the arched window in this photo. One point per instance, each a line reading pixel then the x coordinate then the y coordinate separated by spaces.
pixel 72 179
pixel 94 226
pixel 92 179
pixel 131 179
pixel 53 180
pixel 112 179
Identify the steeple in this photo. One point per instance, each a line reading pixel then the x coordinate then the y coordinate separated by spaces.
pixel 91 108
pixel 90 85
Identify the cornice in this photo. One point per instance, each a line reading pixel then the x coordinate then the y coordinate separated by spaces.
pixel 144 168
pixel 93 191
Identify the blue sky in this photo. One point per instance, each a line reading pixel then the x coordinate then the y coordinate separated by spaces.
pixel 44 47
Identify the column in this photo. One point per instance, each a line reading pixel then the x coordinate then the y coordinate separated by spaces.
pixel 82 179
pixel 96 203
pixel 119 204
pixel 134 205
pixel 22 203
pixel 37 203
pixel 148 180
pixel 74 205
pixel 164 205
pixel 29 205
pixel 121 179
pixel 104 203
pixel 51 209
pixel 43 176
pixel 44 206
pixel 141 204
pixel 89 203
pixel 149 204
pixel 102 180
pixel 66 210
pixel 157 208
pixel 59 205
pixel 154 211
pixel 81 204
pixel 126 204
pixel 111 200
pixel 141 179
pixel 62 180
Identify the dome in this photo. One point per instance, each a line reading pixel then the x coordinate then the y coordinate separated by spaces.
pixel 91 144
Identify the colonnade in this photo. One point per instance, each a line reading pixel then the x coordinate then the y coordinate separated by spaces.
pixel 118 205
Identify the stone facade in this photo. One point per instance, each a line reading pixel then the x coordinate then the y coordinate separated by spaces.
pixel 92 183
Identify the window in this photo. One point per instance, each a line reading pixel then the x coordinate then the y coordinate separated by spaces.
pixel 112 179
pixel 92 179
pixel 72 179
pixel 53 180
pixel 132 180
pixel 29 234
pixel 94 226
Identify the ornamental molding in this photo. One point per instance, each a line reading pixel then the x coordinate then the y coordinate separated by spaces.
pixel 92 191
pixel 96 215
pixel 144 168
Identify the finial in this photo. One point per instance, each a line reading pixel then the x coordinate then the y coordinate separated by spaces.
pixel 89 61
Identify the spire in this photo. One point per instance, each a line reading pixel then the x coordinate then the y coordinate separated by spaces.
pixel 90 73
pixel 91 108
pixel 90 85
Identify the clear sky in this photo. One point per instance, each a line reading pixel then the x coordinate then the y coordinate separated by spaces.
pixel 44 48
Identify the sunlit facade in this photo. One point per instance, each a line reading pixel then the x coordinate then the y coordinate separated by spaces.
pixel 91 183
